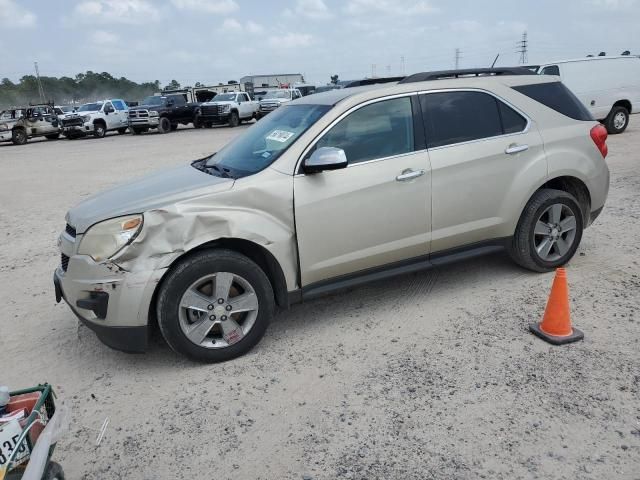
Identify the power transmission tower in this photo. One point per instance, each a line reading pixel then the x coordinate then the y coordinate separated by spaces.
pixel 40 89
pixel 522 49
pixel 458 52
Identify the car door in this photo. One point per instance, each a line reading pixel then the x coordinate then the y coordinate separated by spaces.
pixel 242 105
pixel 110 116
pixel 479 147
pixel 121 112
pixel 377 210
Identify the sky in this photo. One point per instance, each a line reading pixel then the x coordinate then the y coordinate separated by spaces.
pixel 212 41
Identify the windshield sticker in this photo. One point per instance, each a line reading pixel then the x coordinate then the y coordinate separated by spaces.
pixel 280 135
pixel 266 154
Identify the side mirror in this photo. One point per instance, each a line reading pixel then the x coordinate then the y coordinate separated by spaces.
pixel 325 158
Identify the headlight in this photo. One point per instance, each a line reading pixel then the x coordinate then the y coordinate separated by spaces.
pixel 226 108
pixel 153 113
pixel 86 118
pixel 4 126
pixel 107 238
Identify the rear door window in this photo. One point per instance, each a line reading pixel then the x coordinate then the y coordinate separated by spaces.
pixel 379 130
pixel 512 121
pixel 558 97
pixel 456 117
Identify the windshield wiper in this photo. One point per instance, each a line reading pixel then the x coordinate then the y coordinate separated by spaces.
pixel 224 172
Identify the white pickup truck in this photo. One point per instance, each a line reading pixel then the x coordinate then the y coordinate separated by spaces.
pixel 96 119
pixel 226 108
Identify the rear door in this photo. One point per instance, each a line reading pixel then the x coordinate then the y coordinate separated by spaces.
pixel 376 211
pixel 479 148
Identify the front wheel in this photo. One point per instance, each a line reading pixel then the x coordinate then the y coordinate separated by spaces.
pixel 164 125
pixel 19 136
pixel 549 231
pixel 215 306
pixel 234 119
pixel 617 120
pixel 99 130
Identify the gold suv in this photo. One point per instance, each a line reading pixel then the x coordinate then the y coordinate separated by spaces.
pixel 332 190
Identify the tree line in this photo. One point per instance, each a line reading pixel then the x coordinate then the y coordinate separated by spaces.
pixel 83 88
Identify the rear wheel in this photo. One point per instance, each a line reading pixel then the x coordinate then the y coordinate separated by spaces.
pixel 215 306
pixel 549 231
pixel 617 120
pixel 19 136
pixel 164 125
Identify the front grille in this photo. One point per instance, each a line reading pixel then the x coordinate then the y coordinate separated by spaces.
pixel 267 107
pixel 64 261
pixel 70 230
pixel 210 109
pixel 138 113
pixel 72 122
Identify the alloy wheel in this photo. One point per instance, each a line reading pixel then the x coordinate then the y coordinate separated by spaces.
pixel 218 310
pixel 619 121
pixel 555 232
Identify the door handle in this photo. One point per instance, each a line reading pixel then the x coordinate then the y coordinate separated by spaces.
pixel 409 174
pixel 514 148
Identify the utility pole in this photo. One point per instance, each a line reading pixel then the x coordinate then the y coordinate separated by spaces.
pixel 458 52
pixel 40 89
pixel 402 64
pixel 522 49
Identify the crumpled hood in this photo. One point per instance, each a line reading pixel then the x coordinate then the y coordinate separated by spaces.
pixel 149 192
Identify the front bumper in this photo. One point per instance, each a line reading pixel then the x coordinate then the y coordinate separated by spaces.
pixel 150 122
pixel 218 119
pixel 78 130
pixel 111 302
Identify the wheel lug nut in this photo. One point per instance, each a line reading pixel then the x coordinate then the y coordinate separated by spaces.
pixel 223 318
pixel 221 301
pixel 228 308
pixel 210 307
pixel 212 317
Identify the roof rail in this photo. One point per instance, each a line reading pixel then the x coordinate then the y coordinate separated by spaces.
pixel 372 81
pixel 469 72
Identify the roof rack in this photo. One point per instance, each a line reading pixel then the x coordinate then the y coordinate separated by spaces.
pixel 469 72
pixel 372 81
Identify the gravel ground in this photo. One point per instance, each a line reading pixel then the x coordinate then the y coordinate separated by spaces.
pixel 432 375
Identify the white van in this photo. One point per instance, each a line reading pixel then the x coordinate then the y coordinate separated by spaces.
pixel 608 86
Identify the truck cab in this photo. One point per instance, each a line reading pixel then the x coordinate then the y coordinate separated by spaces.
pixel 230 108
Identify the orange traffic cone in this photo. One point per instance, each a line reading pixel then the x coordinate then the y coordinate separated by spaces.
pixel 556 327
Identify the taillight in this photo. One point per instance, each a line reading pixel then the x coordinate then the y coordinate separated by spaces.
pixel 599 137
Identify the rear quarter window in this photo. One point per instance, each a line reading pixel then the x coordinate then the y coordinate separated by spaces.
pixel 558 97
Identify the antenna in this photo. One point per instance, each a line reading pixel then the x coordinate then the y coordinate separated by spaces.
pixel 40 89
pixel 523 47
pixel 495 60
pixel 458 52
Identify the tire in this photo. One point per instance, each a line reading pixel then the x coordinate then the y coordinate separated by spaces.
pixel 53 472
pixel 99 130
pixel 539 213
pixel 617 121
pixel 234 120
pixel 201 267
pixel 19 136
pixel 53 136
pixel 164 125
pixel 174 127
pixel 122 131
pixel 197 122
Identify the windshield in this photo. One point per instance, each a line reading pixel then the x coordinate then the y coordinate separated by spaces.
pixel 264 142
pixel 225 97
pixel 277 94
pixel 154 100
pixel 90 107
pixel 65 109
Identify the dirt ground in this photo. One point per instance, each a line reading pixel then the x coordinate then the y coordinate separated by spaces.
pixel 432 375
